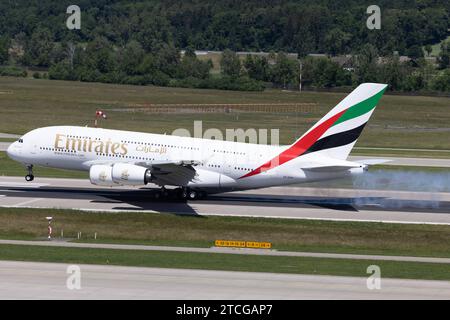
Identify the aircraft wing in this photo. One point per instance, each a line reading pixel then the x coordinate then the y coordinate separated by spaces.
pixel 171 172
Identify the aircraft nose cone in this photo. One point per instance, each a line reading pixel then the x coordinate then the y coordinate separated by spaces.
pixel 11 150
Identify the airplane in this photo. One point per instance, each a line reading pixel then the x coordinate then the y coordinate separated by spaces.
pixel 197 167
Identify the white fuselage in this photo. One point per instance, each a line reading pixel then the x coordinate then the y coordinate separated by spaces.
pixel 78 148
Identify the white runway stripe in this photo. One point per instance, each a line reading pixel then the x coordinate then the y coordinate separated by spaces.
pixel 22 185
pixel 26 202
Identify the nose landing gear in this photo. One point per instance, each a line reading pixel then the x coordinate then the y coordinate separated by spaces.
pixel 29 177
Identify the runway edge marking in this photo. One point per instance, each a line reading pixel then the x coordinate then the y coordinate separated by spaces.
pixel 237 215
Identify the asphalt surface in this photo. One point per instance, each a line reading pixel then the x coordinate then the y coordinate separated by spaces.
pixel 277 202
pixel 9 135
pixel 4 145
pixel 403 161
pixel 31 280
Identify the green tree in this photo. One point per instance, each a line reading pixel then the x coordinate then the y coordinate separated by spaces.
pixel 414 81
pixel 230 64
pixel 167 59
pixel 130 57
pixel 100 55
pixel 393 72
pixel 444 56
pixel 442 81
pixel 61 71
pixel 191 66
pixel 257 67
pixel 39 47
pixel 366 65
pixel 285 71
pixel 4 47
pixel 324 73
pixel 428 49
pixel 414 52
pixel 336 41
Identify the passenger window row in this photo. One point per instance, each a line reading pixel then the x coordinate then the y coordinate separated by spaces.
pixel 60 150
pixel 230 152
pixel 244 169
pixel 159 145
pixel 125 157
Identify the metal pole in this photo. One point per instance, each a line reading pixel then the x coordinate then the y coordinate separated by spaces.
pixel 300 75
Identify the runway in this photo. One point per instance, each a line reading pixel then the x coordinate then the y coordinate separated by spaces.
pixel 278 202
pixel 9 135
pixel 31 280
pixel 405 161
pixel 4 145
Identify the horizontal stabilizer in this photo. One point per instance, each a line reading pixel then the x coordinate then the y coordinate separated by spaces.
pixel 330 165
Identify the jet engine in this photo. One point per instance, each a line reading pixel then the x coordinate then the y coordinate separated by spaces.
pixel 119 174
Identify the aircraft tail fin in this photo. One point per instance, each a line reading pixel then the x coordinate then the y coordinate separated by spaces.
pixel 336 133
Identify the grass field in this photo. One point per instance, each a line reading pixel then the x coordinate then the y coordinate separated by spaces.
pixel 399 121
pixel 9 167
pixel 285 234
pixel 231 262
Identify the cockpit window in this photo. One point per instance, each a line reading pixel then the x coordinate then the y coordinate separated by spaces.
pixel 20 140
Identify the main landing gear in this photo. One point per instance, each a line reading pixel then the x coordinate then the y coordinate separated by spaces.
pixel 191 194
pixel 29 176
pixel 183 193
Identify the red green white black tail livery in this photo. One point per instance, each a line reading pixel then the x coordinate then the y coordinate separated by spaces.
pixel 336 133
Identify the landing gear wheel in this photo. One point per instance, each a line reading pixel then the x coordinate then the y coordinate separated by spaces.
pixel 157 195
pixel 164 193
pixel 192 195
pixel 180 194
pixel 184 194
pixel 29 176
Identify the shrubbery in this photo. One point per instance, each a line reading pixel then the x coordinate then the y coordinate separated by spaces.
pixel 242 83
pixel 12 71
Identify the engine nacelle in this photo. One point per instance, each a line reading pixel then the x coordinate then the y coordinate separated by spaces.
pixel 119 174
pixel 101 175
pixel 130 174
